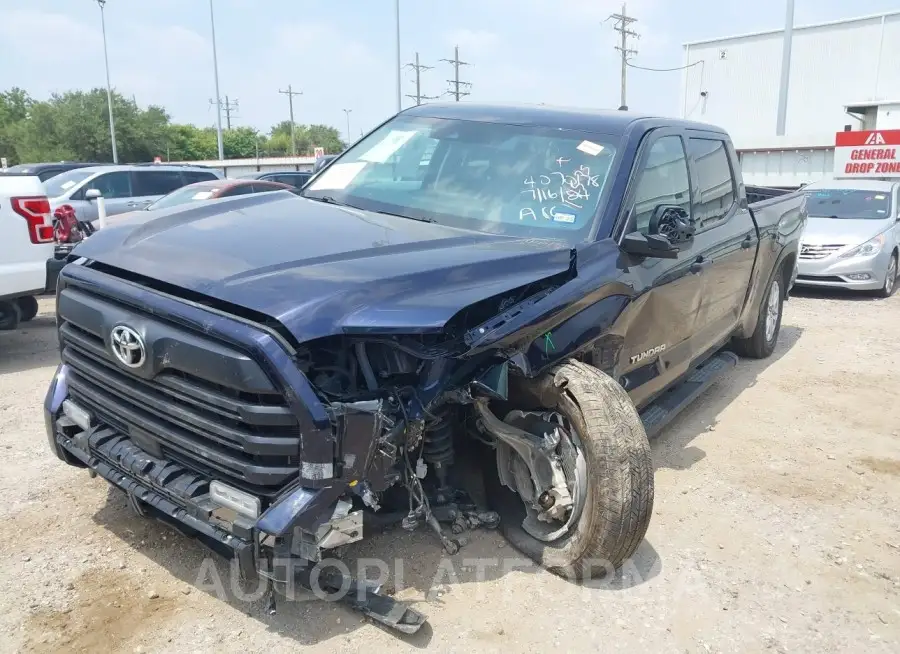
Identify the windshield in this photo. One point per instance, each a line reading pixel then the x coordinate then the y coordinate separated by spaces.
pixel 56 186
pixel 184 195
pixel 501 179
pixel 849 204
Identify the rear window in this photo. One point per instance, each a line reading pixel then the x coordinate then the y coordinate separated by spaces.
pixel 184 195
pixel 156 182
pixel 192 176
pixel 849 204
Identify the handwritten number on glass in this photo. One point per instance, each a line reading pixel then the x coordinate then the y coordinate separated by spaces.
pixel 571 190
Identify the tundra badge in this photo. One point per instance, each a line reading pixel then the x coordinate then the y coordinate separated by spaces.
pixel 648 353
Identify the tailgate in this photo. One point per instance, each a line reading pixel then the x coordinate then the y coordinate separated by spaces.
pixel 26 235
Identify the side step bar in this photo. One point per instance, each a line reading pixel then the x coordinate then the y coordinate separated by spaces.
pixel 661 412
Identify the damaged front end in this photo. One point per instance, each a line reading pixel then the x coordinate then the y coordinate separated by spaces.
pixel 278 455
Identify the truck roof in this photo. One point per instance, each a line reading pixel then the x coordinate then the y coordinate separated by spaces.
pixel 603 121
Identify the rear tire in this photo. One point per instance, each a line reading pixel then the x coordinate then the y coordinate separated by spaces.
pixel 28 306
pixel 890 278
pixel 761 343
pixel 619 500
pixel 10 315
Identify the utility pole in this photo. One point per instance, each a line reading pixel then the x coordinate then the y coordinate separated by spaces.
pixel 290 93
pixel 418 97
pixel 229 107
pixel 455 84
pixel 623 20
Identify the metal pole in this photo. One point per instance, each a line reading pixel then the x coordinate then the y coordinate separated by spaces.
pixel 112 122
pixel 785 69
pixel 347 113
pixel 212 23
pixel 397 64
pixel 624 59
pixel 291 108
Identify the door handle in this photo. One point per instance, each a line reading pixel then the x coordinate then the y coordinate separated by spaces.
pixel 132 204
pixel 700 265
pixel 747 242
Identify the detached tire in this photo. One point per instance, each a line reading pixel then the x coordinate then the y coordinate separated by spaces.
pixel 619 499
pixel 761 343
pixel 28 305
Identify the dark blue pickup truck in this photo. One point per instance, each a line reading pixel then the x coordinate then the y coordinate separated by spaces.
pixel 528 292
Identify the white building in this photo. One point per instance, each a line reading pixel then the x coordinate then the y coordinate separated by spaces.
pixel 842 74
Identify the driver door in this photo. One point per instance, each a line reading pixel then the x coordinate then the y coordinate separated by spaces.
pixel 659 326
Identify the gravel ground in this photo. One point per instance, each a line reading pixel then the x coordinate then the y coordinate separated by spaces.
pixel 775 529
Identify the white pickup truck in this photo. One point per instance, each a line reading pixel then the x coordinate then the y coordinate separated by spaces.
pixel 26 246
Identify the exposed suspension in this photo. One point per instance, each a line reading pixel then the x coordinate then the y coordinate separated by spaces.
pixel 437 449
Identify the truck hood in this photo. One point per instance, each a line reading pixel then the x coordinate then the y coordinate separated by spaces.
pixel 837 231
pixel 323 269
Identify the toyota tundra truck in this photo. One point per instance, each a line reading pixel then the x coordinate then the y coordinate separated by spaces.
pixel 529 293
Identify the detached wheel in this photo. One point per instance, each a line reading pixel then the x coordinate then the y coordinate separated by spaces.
pixel 762 342
pixel 28 305
pixel 890 278
pixel 600 498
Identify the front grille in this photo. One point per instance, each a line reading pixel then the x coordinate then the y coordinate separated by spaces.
pixel 818 251
pixel 249 439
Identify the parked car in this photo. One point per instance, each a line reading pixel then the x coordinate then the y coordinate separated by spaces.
pixel 293 177
pixel 45 171
pixel 197 192
pixel 551 288
pixel 124 188
pixel 853 236
pixel 26 242
pixel 323 161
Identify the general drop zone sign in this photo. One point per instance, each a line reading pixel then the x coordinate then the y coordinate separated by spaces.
pixel 867 153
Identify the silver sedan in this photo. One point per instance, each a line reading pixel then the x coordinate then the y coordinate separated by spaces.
pixel 852 238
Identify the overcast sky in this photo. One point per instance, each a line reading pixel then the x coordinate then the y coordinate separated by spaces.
pixel 340 53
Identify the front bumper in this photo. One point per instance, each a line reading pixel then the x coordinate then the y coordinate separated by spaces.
pixel 857 273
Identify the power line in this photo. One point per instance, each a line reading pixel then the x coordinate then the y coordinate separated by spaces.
pixel 664 70
pixel 290 93
pixel 456 86
pixel 623 20
pixel 418 97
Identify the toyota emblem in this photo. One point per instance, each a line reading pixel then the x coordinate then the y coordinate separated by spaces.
pixel 128 346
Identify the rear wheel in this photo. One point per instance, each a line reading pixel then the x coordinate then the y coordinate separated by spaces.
pixel 890 278
pixel 762 341
pixel 582 504
pixel 28 306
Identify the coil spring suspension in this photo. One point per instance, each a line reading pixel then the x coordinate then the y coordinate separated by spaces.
pixel 437 449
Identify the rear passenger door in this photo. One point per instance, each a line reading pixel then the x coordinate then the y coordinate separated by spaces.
pixel 150 185
pixel 725 235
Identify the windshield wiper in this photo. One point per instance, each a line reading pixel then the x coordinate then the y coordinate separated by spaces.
pixel 327 199
pixel 420 219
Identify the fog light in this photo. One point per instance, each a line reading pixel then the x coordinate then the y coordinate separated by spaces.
pixel 859 277
pixel 232 498
pixel 76 414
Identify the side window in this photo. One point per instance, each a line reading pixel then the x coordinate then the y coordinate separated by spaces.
pixel 717 194
pixel 156 182
pixel 191 176
pixel 664 180
pixel 111 185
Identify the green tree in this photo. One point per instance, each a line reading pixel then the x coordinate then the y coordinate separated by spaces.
pixel 189 143
pixel 14 107
pixel 239 143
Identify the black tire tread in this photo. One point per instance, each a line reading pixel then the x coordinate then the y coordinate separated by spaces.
pixel 620 497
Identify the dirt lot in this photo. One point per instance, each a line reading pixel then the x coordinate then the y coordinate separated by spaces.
pixel 776 528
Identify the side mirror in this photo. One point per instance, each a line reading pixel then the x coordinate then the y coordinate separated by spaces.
pixel 673 222
pixel 92 194
pixel 652 245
